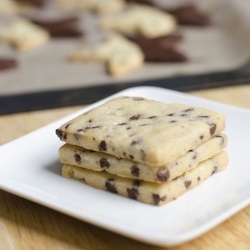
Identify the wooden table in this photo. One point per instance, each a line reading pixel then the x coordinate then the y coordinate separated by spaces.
pixel 27 225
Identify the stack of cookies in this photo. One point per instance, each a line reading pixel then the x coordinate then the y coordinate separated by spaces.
pixel 149 151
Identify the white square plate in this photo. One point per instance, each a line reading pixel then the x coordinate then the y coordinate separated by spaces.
pixel 30 168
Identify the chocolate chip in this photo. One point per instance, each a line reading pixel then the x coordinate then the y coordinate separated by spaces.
pixel 138 98
pixel 222 139
pixel 152 117
pixel 146 2
pixel 201 137
pixel 131 157
pixel 188 110
pixel 133 193
pixel 104 163
pixel 102 146
pixel 173 121
pixel 215 167
pixel 163 176
pixel 94 127
pixel 137 183
pixel 198 179
pixel 59 133
pixel 135 171
pixel 121 124
pixel 212 128
pixel 76 134
pixel 67 125
pixel 183 115
pixel 65 136
pixel 90 120
pixel 157 198
pixel 110 187
pixel 187 184
pixel 80 130
pixel 202 116
pixel 134 117
pixel 124 154
pixel 128 128
pixel 194 155
pixel 143 155
pixel 77 158
pixel 135 142
pixel 172 114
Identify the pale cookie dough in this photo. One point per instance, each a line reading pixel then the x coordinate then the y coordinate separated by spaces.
pixel 97 161
pixel 99 6
pixel 121 55
pixel 148 192
pixel 142 130
pixel 22 34
pixel 7 7
pixel 146 21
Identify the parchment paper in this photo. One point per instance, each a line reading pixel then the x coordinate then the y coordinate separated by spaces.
pixel 223 46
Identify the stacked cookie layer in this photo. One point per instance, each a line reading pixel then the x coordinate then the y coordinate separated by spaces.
pixel 146 150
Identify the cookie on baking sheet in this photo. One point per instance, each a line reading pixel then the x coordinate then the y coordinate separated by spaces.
pixel 99 6
pixel 7 7
pixel 98 161
pixel 121 55
pixel 142 130
pixel 139 19
pixel 148 192
pixel 22 34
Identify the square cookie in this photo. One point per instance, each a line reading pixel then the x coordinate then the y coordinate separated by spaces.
pixel 142 130
pixel 148 192
pixel 99 161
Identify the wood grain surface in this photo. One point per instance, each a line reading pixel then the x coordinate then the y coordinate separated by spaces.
pixel 27 225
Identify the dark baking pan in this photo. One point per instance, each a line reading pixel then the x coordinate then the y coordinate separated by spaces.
pixel 86 95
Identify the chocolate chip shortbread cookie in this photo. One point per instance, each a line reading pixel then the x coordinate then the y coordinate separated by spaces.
pixel 142 130
pixel 148 192
pixel 120 55
pixel 22 34
pixel 98 161
pixel 146 21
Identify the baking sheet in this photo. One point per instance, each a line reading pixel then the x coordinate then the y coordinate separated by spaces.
pixel 224 46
